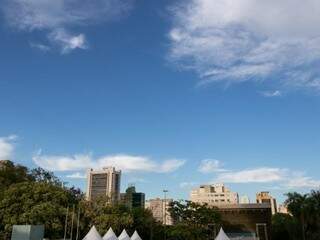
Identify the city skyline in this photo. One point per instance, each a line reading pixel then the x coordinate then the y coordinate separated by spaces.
pixel 172 105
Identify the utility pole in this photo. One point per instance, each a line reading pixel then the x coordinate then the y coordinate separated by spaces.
pixel 165 213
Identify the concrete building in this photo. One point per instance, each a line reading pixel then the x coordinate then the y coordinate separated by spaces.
pixel 245 220
pixel 214 195
pixel 133 199
pixel 244 199
pixel 283 209
pixel 160 210
pixel 265 197
pixel 104 183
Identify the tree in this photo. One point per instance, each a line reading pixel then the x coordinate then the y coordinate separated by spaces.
pixel 305 208
pixel 41 175
pixel 12 174
pixel 193 221
pixel 285 226
pixel 35 203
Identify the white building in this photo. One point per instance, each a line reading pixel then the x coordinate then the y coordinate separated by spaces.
pixel 105 182
pixel 213 195
pixel 244 199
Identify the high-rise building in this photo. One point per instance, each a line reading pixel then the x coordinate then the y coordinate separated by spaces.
pixel 244 199
pixel 133 199
pixel 104 183
pixel 214 195
pixel 160 210
pixel 265 197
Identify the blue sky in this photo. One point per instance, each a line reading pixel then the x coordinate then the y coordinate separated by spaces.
pixel 176 95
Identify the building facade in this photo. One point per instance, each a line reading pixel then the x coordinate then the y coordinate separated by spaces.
pixel 214 195
pixel 160 210
pixel 244 199
pixel 265 197
pixel 133 199
pixel 246 219
pixel 103 183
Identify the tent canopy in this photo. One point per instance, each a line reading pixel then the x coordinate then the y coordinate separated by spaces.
pixel 124 235
pixel 135 236
pixel 93 234
pixel 222 235
pixel 110 235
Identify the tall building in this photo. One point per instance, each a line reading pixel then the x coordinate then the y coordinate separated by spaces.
pixel 133 199
pixel 214 195
pixel 105 182
pixel 265 197
pixel 244 199
pixel 160 210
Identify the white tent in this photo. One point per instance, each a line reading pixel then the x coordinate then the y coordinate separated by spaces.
pixel 93 234
pixel 124 235
pixel 135 236
pixel 222 235
pixel 110 235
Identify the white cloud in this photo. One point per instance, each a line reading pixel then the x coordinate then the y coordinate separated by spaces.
pixel 7 147
pixel 275 93
pixel 68 42
pixel 210 165
pixel 187 185
pixel 258 175
pixel 171 165
pixel 41 47
pixel 76 175
pixel 126 163
pixel 63 163
pixel 302 182
pixel 249 40
pixel 62 15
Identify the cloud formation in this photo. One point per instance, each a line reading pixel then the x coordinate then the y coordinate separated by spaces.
pixel 249 40
pixel 258 175
pixel 126 163
pixel 76 175
pixel 7 147
pixel 284 178
pixel 275 93
pixel 57 18
pixel 210 166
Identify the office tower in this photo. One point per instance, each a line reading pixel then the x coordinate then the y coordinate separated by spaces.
pixel 213 195
pixel 104 183
pixel 133 199
pixel 160 210
pixel 265 197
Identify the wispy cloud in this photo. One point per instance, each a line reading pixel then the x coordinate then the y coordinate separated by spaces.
pixel 236 41
pixel 57 18
pixel 7 147
pixel 282 178
pixel 187 185
pixel 76 175
pixel 275 93
pixel 127 163
pixel 258 175
pixel 210 166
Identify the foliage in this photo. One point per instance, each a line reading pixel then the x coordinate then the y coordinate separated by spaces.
pixel 284 226
pixel 306 210
pixel 193 221
pixel 11 174
pixel 35 203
